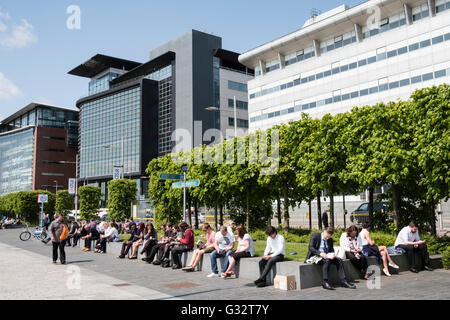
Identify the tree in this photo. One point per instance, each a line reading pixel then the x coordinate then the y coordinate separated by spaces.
pixel 64 202
pixel 121 193
pixel 89 201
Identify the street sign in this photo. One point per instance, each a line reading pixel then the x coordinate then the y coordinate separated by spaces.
pixel 184 168
pixel 189 184
pixel 72 183
pixel 117 173
pixel 170 176
pixel 42 198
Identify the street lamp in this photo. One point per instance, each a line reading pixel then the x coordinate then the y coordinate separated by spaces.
pixel 214 108
pixel 56 186
pixel 123 162
pixel 76 183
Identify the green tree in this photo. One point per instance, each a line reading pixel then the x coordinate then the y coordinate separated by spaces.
pixel 121 193
pixel 64 202
pixel 89 201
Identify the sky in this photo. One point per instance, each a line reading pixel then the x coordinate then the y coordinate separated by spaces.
pixel 37 49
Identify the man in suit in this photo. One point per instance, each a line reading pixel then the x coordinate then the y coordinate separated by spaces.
pixel 321 245
pixel 325 219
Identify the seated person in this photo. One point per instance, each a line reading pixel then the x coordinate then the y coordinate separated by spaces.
pixel 134 236
pixel 151 238
pixel 172 242
pixel 139 241
pixel 110 233
pixel 186 243
pixel 92 235
pixel 274 252
pixel 321 245
pixel 158 249
pixel 202 248
pixel 73 227
pixel 408 239
pixel 244 250
pixel 351 243
pixel 223 246
pixel 379 252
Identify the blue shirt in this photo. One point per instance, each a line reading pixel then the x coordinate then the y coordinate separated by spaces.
pixel 323 244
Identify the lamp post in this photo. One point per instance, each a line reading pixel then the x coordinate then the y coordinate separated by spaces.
pixel 215 109
pixel 122 153
pixel 76 183
pixel 56 186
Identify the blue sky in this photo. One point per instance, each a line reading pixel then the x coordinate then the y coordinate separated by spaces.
pixel 37 49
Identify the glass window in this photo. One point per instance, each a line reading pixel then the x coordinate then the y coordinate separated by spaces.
pixel 416 79
pixel 344 68
pixel 346 96
pixel 362 62
pixel 393 85
pixel 413 47
pixel 425 43
pixel 327 73
pixel 440 73
pixel 364 92
pixel 427 76
pixel 402 50
pixel 319 75
pixel 382 87
pixel 373 90
pixel 353 65
pixel 354 94
pixel 372 60
pixel 404 82
pixel 392 53
pixel 437 40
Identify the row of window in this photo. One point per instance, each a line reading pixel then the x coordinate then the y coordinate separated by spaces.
pixel 360 93
pixel 241 123
pixel 355 64
pixel 53 174
pixel 239 104
pixel 232 85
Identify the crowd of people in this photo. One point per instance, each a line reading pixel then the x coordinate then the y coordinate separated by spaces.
pixel 5 222
pixel 176 239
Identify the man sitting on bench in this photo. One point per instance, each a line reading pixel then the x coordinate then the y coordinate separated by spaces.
pixel 321 246
pixel 274 252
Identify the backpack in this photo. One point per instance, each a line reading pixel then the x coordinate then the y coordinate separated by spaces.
pixel 64 233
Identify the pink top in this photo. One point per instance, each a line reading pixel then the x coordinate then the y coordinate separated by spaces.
pixel 210 239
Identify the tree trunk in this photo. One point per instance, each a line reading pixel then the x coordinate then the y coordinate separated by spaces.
pixel 221 215
pixel 215 218
pixel 370 205
pixel 286 207
pixel 396 205
pixel 345 212
pixel 248 210
pixel 196 213
pixel 309 213
pixel 279 212
pixel 432 218
pixel 319 213
pixel 332 210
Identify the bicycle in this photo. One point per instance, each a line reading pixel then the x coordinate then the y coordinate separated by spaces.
pixel 38 233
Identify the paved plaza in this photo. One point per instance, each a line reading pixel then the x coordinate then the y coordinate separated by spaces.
pixel 28 273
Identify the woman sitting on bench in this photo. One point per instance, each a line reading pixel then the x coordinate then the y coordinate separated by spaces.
pixel 202 248
pixel 244 250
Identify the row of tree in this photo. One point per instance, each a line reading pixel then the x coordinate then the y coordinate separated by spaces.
pixel 23 205
pixel 403 144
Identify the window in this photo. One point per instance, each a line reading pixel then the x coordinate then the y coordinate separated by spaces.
pixel 392 53
pixel 416 79
pixel 402 50
pixel 413 47
pixel 237 86
pixel 437 40
pixel 425 43
pixel 404 82
pixel 364 92
pixel 362 62
pixel 393 85
pixel 440 73
pixel 427 76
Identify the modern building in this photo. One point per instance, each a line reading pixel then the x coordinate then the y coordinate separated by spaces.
pixel 377 51
pixel 38 147
pixel 147 105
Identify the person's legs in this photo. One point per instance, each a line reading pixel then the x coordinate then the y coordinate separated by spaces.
pixel 384 258
pixel 268 266
pixel 410 253
pixel 135 247
pixel 231 263
pixel 214 256
pixel 127 248
pixel 176 256
pixel 325 268
pixel 62 253
pixel 194 257
pixel 154 250
pixel 103 245
pixel 55 251
pixel 340 267
pixel 225 261
pixel 423 251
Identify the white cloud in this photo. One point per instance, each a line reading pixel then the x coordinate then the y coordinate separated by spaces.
pixel 15 35
pixel 8 89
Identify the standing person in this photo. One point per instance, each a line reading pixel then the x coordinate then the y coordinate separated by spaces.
pixel 325 219
pixel 244 250
pixel 202 248
pixel 151 237
pixel 45 224
pixel 408 239
pixel 186 244
pixel 56 229
pixel 352 245
pixel 321 247
pixel 223 245
pixel 379 252
pixel 274 252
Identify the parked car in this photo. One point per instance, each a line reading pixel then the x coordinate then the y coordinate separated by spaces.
pixel 361 214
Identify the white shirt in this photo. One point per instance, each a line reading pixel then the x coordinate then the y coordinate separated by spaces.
pixel 406 235
pixel 224 241
pixel 243 244
pixel 110 232
pixel 364 240
pixel 344 242
pixel 275 246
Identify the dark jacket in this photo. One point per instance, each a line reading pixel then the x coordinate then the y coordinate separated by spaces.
pixel 55 229
pixel 133 234
pixel 314 245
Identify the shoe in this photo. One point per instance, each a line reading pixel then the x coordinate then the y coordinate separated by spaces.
pixel 132 258
pixel 63 262
pixel 213 275
pixel 144 259
pixel 414 270
pixel 258 281
pixel 225 275
pixel 428 268
pixel 84 249
pixel 156 262
pixel 73 246
pixel 261 284
pixel 54 262
pixel 188 268
pixel 393 266
pixel 386 272
pixel 327 286
pixel 345 284
pixel 87 249
pixel 175 267
pixel 121 257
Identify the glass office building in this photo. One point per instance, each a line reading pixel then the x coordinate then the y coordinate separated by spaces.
pixel 16 161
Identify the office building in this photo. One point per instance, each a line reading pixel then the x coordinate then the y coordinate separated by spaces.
pixel 143 104
pixel 348 57
pixel 38 147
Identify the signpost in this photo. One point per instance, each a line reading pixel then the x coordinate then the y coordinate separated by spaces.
pixel 189 184
pixel 117 172
pixel 42 198
pixel 184 168
pixel 171 176
pixel 72 183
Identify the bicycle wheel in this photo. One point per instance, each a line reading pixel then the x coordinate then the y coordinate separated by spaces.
pixel 25 235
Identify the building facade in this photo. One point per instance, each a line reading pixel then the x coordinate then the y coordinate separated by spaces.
pixel 370 53
pixel 38 147
pixel 150 105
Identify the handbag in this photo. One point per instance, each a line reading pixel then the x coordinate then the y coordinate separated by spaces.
pixel 340 252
